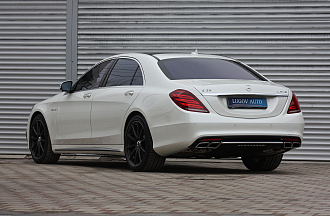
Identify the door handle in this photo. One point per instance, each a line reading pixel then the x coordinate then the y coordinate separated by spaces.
pixel 87 95
pixel 130 93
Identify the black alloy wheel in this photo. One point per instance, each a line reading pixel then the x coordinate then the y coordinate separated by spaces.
pixel 139 151
pixel 39 142
pixel 38 139
pixel 136 143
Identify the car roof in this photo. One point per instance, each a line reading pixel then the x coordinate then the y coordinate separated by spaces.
pixel 158 57
pixel 161 56
pixel 192 55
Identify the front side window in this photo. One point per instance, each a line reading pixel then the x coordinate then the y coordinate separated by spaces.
pixel 205 68
pixel 92 78
pixel 125 72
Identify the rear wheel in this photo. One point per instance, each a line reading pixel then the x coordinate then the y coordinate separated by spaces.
pixel 39 142
pixel 139 151
pixel 263 163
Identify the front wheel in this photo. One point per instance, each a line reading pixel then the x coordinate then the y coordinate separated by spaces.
pixel 262 163
pixel 39 142
pixel 139 151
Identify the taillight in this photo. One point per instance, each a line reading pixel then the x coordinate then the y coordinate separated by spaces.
pixel 210 139
pixel 294 105
pixel 187 101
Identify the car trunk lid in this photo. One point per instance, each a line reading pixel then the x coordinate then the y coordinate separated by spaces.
pixel 242 98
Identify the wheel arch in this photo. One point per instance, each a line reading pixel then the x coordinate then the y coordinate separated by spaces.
pixel 150 160
pixel 32 116
pixel 35 114
pixel 130 116
pixel 44 154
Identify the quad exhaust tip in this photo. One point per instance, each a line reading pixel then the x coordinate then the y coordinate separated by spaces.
pixel 214 143
pixel 292 145
pixel 208 145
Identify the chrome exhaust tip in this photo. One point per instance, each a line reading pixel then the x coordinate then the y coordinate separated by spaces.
pixel 208 144
pixel 288 145
pixel 214 145
pixel 202 145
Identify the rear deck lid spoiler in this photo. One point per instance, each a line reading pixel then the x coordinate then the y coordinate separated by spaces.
pixel 247 94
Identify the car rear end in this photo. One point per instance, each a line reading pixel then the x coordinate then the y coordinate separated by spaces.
pixel 237 114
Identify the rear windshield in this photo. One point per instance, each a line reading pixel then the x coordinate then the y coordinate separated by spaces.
pixel 205 68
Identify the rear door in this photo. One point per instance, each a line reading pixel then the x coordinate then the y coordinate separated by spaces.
pixel 112 101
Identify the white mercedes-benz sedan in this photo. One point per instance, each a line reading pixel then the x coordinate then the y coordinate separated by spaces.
pixel 147 107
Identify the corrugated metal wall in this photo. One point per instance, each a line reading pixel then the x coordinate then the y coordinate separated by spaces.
pixel 32 63
pixel 287 41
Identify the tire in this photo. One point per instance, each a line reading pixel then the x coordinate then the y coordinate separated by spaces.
pixel 138 147
pixel 39 142
pixel 264 163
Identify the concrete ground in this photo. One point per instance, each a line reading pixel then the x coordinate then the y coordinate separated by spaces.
pixel 92 186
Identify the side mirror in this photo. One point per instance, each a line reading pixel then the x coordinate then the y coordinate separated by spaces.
pixel 66 86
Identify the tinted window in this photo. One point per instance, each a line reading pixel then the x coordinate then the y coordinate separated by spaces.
pixel 137 80
pixel 205 68
pixel 123 73
pixel 92 78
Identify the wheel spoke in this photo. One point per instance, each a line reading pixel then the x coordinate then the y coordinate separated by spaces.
pixel 38 127
pixel 33 138
pixel 131 146
pixel 134 132
pixel 34 144
pixel 139 154
pixel 141 132
pixel 132 155
pixel 135 157
pixel 34 130
pixel 142 149
pixel 42 131
pixel 131 138
pixel 139 129
pixel 136 129
pixel 37 151
pixel 41 147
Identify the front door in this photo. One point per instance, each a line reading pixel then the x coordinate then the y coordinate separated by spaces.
pixel 74 109
pixel 73 118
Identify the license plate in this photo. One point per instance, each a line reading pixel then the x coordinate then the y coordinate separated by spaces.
pixel 247 103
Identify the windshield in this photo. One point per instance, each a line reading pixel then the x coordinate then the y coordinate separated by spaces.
pixel 205 68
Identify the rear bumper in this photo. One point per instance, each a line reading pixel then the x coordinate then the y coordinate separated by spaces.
pixel 170 139
pixel 240 146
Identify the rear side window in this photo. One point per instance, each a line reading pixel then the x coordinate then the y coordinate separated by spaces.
pixel 137 80
pixel 125 72
pixel 205 68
